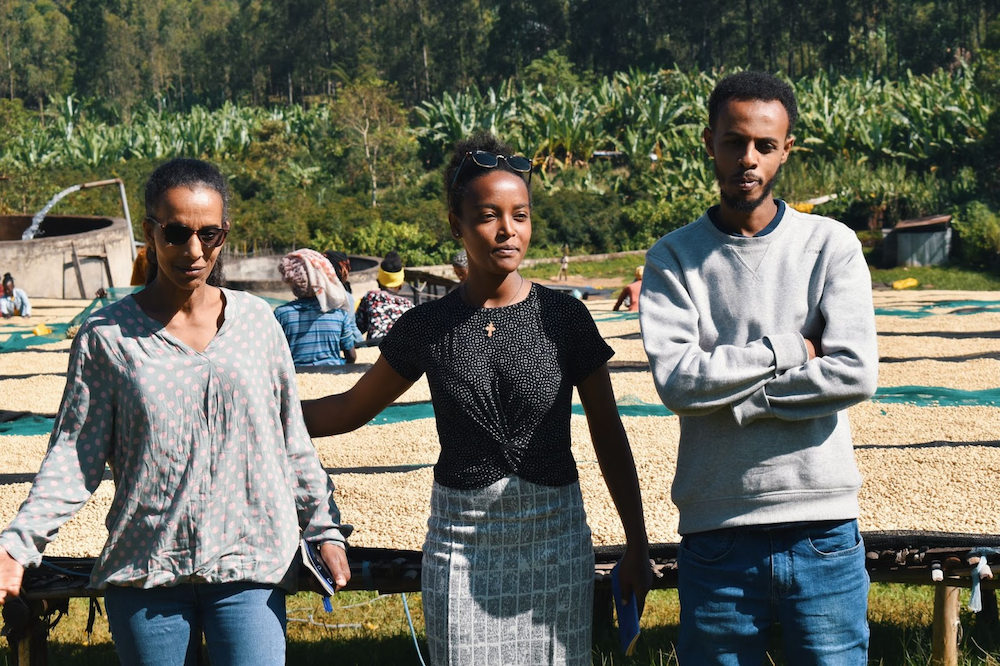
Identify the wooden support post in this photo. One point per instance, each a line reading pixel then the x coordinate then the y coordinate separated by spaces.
pixel 603 619
pixel 107 266
pixel 988 615
pixel 79 272
pixel 33 645
pixel 103 257
pixel 945 642
pixel 27 629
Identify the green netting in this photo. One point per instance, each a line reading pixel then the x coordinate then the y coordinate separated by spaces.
pixel 970 306
pixel 115 294
pixel 906 314
pixel 965 307
pixel 614 316
pixel 633 409
pixel 118 293
pixel 937 396
pixel 424 410
pixel 404 412
pixel 21 340
pixel 27 426
pixel 919 396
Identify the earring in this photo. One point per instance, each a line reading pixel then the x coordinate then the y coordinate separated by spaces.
pixel 456 234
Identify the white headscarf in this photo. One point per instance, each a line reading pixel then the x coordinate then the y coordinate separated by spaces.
pixel 309 273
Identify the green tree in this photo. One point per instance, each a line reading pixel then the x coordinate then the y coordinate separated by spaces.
pixel 90 34
pixel 121 80
pixel 373 124
pixel 45 51
pixel 553 70
pixel 8 38
pixel 524 30
pixel 210 63
pixel 613 35
pixel 458 35
pixel 163 29
pixel 13 121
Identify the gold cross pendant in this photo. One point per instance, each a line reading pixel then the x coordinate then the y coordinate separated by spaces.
pixel 489 329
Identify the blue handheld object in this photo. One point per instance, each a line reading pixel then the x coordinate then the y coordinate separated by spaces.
pixel 312 561
pixel 628 616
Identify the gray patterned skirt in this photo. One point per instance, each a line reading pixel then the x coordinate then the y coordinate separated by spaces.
pixel 508 576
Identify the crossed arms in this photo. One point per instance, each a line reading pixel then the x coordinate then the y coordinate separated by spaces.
pixel 781 374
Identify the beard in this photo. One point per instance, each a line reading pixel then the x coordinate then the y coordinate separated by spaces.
pixel 745 205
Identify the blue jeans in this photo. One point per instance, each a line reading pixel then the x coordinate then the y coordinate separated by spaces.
pixel 244 624
pixel 735 584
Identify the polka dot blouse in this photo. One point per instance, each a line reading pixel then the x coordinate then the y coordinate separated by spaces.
pixel 215 474
pixel 501 382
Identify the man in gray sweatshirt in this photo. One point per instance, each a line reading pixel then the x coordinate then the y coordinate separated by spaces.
pixel 760 331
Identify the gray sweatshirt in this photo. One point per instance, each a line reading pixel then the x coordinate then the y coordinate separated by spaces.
pixel 764 432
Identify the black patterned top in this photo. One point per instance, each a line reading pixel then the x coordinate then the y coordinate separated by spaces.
pixel 378 311
pixel 501 382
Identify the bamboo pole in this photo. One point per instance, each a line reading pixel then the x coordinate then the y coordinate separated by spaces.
pixel 945 641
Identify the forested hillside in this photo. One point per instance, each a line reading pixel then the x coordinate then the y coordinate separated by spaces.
pixel 332 117
pixel 183 52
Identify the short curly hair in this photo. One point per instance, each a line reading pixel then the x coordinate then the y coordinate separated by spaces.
pixel 753 86
pixel 470 170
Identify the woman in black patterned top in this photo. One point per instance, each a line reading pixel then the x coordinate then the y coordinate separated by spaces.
pixel 508 560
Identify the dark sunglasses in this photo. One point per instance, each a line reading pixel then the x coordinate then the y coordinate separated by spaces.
pixel 487 160
pixel 176 233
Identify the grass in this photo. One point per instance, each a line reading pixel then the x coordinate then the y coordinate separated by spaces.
pixel 622 268
pixel 929 277
pixel 367 629
pixel 940 277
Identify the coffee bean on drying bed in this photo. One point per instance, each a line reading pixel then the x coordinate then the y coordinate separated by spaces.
pixel 924 467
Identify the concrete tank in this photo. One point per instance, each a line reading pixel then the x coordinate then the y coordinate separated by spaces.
pixel 44 266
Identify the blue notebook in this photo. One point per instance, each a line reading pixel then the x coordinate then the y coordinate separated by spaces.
pixel 628 616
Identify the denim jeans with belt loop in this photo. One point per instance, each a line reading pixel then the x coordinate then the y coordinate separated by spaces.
pixel 736 583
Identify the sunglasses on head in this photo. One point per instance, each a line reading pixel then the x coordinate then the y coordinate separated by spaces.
pixel 176 233
pixel 487 160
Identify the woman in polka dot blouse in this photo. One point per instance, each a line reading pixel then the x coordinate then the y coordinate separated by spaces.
pixel 508 564
pixel 186 391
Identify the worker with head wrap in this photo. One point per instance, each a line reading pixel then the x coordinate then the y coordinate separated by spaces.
pixel 317 325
